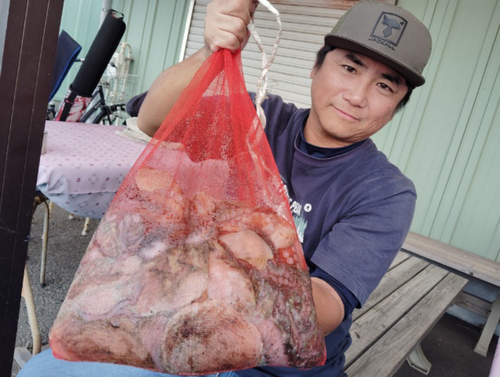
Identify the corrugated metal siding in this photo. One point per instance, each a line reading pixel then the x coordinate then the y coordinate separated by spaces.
pixel 447 139
pixel 154 31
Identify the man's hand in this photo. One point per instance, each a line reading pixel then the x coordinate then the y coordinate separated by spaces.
pixel 226 24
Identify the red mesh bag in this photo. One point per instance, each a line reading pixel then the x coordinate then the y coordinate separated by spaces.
pixel 196 266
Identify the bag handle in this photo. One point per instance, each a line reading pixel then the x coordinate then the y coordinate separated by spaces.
pixel 266 63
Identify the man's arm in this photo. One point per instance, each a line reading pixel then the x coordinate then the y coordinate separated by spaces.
pixel 225 27
pixel 165 90
pixel 329 306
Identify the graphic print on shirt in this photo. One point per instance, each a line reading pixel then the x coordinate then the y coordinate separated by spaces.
pixel 297 212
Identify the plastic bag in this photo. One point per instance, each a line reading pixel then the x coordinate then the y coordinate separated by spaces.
pixel 196 266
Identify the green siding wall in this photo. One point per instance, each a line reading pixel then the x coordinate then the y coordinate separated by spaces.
pixel 447 139
pixel 154 31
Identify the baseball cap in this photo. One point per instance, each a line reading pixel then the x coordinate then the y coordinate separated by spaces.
pixel 386 33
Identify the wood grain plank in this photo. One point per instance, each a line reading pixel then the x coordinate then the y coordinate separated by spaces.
pixel 474 304
pixel 370 327
pixel 392 349
pixel 391 281
pixel 458 259
pixel 400 258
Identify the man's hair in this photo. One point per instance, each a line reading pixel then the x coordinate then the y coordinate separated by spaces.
pixel 320 59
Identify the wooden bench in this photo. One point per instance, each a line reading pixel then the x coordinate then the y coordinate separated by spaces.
pixel 470 264
pixel 410 299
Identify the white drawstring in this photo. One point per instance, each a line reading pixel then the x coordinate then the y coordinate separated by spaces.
pixel 261 171
pixel 266 63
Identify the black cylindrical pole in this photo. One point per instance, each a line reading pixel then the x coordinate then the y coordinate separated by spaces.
pixel 99 55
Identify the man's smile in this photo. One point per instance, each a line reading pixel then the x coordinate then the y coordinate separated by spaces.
pixel 346 115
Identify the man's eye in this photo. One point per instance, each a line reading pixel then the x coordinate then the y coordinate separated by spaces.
pixel 385 86
pixel 349 69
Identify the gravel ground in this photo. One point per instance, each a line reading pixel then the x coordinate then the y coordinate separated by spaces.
pixel 65 250
pixel 449 346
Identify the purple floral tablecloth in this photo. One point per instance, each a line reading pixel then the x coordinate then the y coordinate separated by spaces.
pixel 84 165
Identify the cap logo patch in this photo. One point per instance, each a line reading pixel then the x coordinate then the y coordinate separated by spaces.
pixel 388 30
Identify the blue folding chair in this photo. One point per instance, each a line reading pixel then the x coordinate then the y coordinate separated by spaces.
pixel 67 52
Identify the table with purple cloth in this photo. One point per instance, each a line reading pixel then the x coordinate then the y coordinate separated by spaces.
pixel 84 165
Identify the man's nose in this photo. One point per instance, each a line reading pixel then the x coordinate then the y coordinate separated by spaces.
pixel 356 94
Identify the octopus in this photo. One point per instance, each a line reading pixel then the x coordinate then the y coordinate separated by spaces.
pixel 190 284
pixel 111 341
pixel 216 335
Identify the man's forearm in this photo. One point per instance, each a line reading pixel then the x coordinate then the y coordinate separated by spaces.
pixel 329 306
pixel 166 90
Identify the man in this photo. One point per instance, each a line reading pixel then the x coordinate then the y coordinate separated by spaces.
pixel 354 208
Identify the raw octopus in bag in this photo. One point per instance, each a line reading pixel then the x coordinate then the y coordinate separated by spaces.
pixel 196 266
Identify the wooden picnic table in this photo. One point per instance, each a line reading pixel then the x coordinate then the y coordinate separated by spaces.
pixel 410 299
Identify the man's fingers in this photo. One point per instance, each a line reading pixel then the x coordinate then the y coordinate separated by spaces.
pixel 226 24
pixel 229 33
pixel 224 40
pixel 253 8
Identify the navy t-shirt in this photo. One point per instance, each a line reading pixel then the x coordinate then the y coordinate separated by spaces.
pixel 352 213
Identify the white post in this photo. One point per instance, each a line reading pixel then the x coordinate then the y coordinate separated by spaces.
pixel 106 6
pixel 186 31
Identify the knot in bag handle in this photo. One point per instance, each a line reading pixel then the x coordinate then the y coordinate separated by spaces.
pixel 266 63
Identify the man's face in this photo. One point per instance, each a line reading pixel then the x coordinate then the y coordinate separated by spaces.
pixel 353 96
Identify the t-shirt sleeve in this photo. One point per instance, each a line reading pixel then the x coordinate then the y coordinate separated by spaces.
pixel 361 246
pixel 348 299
